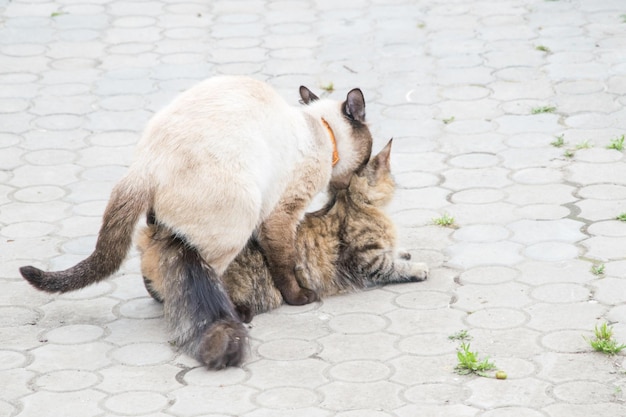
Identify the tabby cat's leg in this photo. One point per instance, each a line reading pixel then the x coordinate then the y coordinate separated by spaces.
pixel 404 271
pixel 277 237
pixel 384 268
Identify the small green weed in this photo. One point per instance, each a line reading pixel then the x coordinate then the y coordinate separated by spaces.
pixel 469 362
pixel 598 269
pixel 543 109
pixel 623 18
pixel 444 221
pixel 55 14
pixel 558 142
pixel 568 153
pixel 460 335
pixel 329 88
pixel 604 341
pixel 617 144
pixel 542 48
pixel 621 217
pixel 585 144
pixel 448 120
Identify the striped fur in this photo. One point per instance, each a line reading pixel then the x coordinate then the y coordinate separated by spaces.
pixel 346 246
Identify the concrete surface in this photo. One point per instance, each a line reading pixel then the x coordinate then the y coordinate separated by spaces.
pixel 454 82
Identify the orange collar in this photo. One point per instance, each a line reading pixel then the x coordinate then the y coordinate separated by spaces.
pixel 333 140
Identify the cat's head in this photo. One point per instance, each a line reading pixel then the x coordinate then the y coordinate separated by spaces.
pixel 374 183
pixel 346 120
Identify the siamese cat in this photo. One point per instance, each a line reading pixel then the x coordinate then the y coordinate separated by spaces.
pixel 348 245
pixel 227 159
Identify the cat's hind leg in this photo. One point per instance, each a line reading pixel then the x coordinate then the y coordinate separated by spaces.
pixel 198 311
pixel 152 243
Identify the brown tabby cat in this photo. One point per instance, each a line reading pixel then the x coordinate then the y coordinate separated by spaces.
pixel 346 246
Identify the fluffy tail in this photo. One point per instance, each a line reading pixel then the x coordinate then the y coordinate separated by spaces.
pixel 199 313
pixel 128 201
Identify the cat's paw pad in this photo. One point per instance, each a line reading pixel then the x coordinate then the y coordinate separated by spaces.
pixel 419 271
pixel 403 254
pixel 302 297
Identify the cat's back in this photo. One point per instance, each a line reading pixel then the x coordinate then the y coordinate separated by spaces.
pixel 228 93
pixel 225 103
pixel 236 126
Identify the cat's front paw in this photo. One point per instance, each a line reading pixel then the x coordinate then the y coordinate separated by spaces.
pixel 244 312
pixel 403 254
pixel 419 271
pixel 304 296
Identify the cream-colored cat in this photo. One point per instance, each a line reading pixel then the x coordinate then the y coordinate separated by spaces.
pixel 225 160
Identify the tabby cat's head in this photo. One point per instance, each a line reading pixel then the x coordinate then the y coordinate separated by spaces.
pixel 374 183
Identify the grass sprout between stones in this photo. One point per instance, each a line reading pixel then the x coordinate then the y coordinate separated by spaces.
pixel 558 142
pixel 604 341
pixel 445 221
pixel 328 88
pixel 585 144
pixel 617 144
pixel 598 269
pixel 543 109
pixel 621 217
pixel 460 335
pixel 448 120
pixel 542 48
pixel 569 153
pixel 469 363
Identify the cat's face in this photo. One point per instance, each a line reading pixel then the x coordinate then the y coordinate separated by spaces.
pixel 374 183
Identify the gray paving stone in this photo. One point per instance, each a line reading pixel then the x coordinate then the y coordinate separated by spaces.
pixel 513 393
pixel 529 232
pixel 468 255
pixel 77 88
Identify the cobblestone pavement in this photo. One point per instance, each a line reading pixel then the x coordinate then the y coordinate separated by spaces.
pixel 478 95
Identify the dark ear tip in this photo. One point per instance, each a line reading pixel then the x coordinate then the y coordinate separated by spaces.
pixel 354 105
pixel 356 91
pixel 307 95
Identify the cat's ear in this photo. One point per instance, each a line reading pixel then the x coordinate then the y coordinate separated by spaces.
pixel 381 161
pixel 307 96
pixel 354 106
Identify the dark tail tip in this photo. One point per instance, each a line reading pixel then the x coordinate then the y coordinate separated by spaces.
pixel 33 275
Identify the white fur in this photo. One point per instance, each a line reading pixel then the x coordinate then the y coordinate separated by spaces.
pixel 222 156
